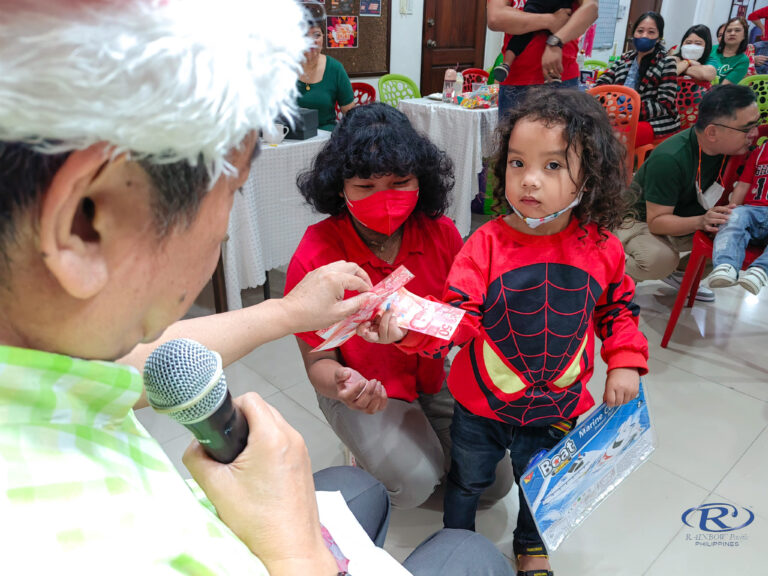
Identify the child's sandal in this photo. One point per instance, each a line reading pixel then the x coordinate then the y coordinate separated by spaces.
pixel 535 573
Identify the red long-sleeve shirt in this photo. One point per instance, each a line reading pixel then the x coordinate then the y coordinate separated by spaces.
pixel 533 306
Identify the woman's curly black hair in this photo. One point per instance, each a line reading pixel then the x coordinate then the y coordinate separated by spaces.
pixel 587 130
pixel 375 140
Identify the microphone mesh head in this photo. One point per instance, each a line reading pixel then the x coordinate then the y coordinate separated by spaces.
pixel 178 372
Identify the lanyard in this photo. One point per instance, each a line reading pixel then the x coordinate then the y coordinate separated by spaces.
pixel 698 171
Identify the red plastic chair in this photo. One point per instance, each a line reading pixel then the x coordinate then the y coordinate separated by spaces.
pixel 689 95
pixel 622 104
pixel 702 250
pixel 473 75
pixel 364 94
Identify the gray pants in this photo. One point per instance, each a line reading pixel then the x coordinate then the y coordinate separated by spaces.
pixel 445 553
pixel 407 446
pixel 650 256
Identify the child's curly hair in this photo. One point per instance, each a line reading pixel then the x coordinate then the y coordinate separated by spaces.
pixel 585 127
pixel 374 140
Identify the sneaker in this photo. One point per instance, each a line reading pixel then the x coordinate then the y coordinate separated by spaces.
pixel 501 72
pixel 722 276
pixel 753 279
pixel 702 294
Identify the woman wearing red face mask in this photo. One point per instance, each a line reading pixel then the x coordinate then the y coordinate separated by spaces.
pixel 385 188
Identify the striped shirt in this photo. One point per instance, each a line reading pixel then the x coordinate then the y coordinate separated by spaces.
pixel 84 489
pixel 657 89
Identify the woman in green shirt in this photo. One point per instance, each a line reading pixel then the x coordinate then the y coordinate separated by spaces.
pixel 732 62
pixel 323 82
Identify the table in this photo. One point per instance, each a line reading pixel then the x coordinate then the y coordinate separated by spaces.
pixel 269 217
pixel 466 135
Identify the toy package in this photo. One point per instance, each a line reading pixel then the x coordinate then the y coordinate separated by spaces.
pixel 563 486
pixel 412 312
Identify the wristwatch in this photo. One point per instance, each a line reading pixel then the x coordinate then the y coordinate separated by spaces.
pixel 554 41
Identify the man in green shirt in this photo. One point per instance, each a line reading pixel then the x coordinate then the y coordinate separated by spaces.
pixel 668 210
pixel 126 128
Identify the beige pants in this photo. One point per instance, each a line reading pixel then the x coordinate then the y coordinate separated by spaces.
pixel 650 256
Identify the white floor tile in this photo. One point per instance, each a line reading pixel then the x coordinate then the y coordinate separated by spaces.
pixel 278 362
pixel 702 553
pixel 160 426
pixel 325 449
pixel 745 483
pixel 703 428
pixel 242 379
pixel 304 395
pixel 631 527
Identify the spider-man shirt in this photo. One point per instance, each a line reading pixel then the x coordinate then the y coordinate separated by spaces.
pixel 533 305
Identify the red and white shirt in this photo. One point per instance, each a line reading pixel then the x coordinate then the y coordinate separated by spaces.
pixel 756 173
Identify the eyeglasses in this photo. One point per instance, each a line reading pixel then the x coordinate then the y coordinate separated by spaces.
pixel 746 130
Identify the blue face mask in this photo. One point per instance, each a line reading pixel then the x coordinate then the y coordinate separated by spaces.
pixel 644 44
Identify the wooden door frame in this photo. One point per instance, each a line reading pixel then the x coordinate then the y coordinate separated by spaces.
pixel 480 32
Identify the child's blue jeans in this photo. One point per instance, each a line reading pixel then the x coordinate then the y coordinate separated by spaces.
pixel 746 224
pixel 478 445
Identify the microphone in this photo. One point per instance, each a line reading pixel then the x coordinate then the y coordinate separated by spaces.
pixel 185 380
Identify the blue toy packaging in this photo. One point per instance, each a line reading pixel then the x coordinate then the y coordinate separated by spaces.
pixel 563 486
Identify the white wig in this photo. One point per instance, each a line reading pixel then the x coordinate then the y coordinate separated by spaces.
pixel 171 79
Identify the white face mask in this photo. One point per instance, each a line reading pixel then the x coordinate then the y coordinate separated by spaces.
pixel 691 51
pixel 536 222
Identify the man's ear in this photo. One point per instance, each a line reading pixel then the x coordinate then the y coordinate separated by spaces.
pixel 710 133
pixel 71 248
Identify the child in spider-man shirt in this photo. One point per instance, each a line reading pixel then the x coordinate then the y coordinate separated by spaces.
pixel 536 286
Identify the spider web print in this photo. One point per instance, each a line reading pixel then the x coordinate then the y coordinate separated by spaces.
pixel 538 317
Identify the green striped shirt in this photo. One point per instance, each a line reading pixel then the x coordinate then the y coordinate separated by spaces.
pixel 84 489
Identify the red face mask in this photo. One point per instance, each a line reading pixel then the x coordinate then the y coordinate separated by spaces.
pixel 384 211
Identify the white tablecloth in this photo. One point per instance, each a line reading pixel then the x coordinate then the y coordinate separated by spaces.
pixel 466 135
pixel 270 216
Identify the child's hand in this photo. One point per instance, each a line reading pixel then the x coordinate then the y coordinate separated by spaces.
pixel 358 393
pixel 382 329
pixel 621 386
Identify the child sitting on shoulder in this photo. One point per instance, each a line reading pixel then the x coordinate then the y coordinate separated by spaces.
pixel 536 286
pixel 748 222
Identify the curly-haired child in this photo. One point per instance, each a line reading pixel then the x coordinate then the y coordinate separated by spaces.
pixel 536 285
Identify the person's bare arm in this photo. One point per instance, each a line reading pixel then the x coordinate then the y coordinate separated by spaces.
pixel 504 18
pixel 577 24
pixel 739 193
pixel 334 380
pixel 348 107
pixel 316 302
pixel 701 71
pixel 661 220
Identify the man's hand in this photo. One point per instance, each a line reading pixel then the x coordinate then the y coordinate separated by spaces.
pixel 267 495
pixel 318 300
pixel 715 217
pixel 552 63
pixel 381 330
pixel 621 386
pixel 358 393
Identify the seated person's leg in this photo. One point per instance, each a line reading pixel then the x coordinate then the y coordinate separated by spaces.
pixel 649 257
pixel 457 553
pixel 398 446
pixel 366 497
pixel 644 134
pixel 728 249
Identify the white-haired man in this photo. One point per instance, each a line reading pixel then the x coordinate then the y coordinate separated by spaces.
pixel 125 129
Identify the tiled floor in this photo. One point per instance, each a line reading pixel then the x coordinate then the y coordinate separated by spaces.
pixel 708 393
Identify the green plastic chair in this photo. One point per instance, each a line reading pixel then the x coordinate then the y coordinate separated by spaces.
pixel 594 65
pixel 396 87
pixel 759 85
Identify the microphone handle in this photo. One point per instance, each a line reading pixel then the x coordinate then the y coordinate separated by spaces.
pixel 224 434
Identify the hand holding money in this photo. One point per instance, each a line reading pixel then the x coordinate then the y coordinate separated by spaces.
pixel 382 329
